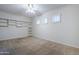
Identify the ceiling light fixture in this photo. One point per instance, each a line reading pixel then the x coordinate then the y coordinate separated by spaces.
pixel 30 9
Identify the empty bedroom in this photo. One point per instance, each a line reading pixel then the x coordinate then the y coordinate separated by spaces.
pixel 39 29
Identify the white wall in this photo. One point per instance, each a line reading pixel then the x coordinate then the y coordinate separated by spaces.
pixel 11 32
pixel 66 32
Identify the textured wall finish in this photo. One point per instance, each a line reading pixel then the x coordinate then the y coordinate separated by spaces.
pixel 13 31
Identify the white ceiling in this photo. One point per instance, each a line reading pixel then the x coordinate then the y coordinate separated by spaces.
pixel 21 9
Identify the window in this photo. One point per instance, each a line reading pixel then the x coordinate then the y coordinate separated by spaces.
pixel 45 21
pixel 38 22
pixel 56 19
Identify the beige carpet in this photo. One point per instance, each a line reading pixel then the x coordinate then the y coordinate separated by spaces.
pixel 36 46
